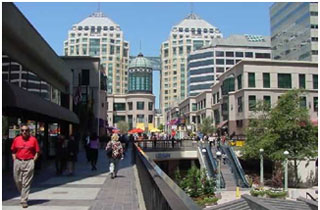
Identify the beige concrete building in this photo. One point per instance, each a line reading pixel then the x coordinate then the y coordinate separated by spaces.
pixel 190 34
pixel 190 113
pixel 89 90
pixel 294 31
pixel 249 81
pixel 99 36
pixel 136 109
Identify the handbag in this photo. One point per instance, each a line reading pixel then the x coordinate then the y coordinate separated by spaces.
pixel 109 152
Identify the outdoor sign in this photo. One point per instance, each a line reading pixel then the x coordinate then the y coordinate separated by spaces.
pixel 13 133
pixel 162 155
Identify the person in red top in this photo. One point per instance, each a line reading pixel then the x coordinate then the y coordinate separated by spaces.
pixel 25 151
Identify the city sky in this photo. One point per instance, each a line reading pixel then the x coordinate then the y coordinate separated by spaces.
pixel 148 23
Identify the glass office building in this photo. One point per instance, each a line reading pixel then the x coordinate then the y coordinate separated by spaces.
pixel 294 31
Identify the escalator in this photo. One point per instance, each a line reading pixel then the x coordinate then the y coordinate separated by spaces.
pixel 210 163
pixel 235 166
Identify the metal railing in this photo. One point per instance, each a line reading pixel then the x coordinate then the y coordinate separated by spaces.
pixel 159 145
pixel 159 190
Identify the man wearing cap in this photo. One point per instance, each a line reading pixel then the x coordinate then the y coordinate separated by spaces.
pixel 25 150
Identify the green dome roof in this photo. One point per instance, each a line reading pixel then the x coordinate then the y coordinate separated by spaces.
pixel 140 62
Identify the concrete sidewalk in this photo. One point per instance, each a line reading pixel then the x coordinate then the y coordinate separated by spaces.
pixel 86 190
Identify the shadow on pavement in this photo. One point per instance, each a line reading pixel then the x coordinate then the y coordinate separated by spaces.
pixel 47 173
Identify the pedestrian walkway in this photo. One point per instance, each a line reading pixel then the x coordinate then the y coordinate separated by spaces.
pixel 86 190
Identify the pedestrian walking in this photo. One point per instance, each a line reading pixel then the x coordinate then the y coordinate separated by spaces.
pixel 94 146
pixel 86 146
pixel 211 140
pixel 72 155
pixel 61 154
pixel 115 151
pixel 25 151
pixel 224 158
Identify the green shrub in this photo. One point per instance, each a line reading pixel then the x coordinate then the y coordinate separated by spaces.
pixel 276 194
pixel 257 192
pixel 207 201
pixel 196 183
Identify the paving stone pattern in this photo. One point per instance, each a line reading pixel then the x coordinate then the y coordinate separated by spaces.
pixel 86 190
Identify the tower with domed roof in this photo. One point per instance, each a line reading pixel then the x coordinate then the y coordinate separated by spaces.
pixel 99 36
pixel 140 75
pixel 188 35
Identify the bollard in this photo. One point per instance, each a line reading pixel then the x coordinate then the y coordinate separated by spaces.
pixel 237 192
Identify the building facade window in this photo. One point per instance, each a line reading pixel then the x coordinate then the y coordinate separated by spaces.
pixel 130 105
pixel 194 107
pixel 150 106
pixel 315 104
pixel 266 80
pixel 315 81
pixel 85 77
pixel 140 105
pixel 239 54
pixel 284 81
pixel 117 119
pixel 239 80
pixel 249 54
pixel 150 118
pixel 229 54
pixel 219 54
pixel 252 103
pixel 140 118
pixel 251 80
pixel 119 107
pixel 267 101
pixel 240 104
pixel 302 81
pixel 303 102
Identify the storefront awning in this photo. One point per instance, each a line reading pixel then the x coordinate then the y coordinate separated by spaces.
pixel 223 123
pixel 21 103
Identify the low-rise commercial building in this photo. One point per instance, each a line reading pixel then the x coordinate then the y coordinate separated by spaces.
pixel 250 81
pixel 36 86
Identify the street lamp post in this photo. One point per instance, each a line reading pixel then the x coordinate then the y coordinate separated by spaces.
pixel 219 170
pixel 286 153
pixel 261 166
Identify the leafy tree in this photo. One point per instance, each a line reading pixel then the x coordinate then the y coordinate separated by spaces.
pixel 206 126
pixel 161 127
pixel 123 127
pixel 287 126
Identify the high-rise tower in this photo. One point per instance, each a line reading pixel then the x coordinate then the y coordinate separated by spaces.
pixel 190 34
pixel 294 31
pixel 98 36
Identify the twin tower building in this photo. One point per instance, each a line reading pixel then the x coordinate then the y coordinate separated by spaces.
pixel 99 36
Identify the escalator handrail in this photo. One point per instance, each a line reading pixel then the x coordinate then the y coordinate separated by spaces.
pixel 215 165
pixel 205 163
pixel 237 165
pixel 312 198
